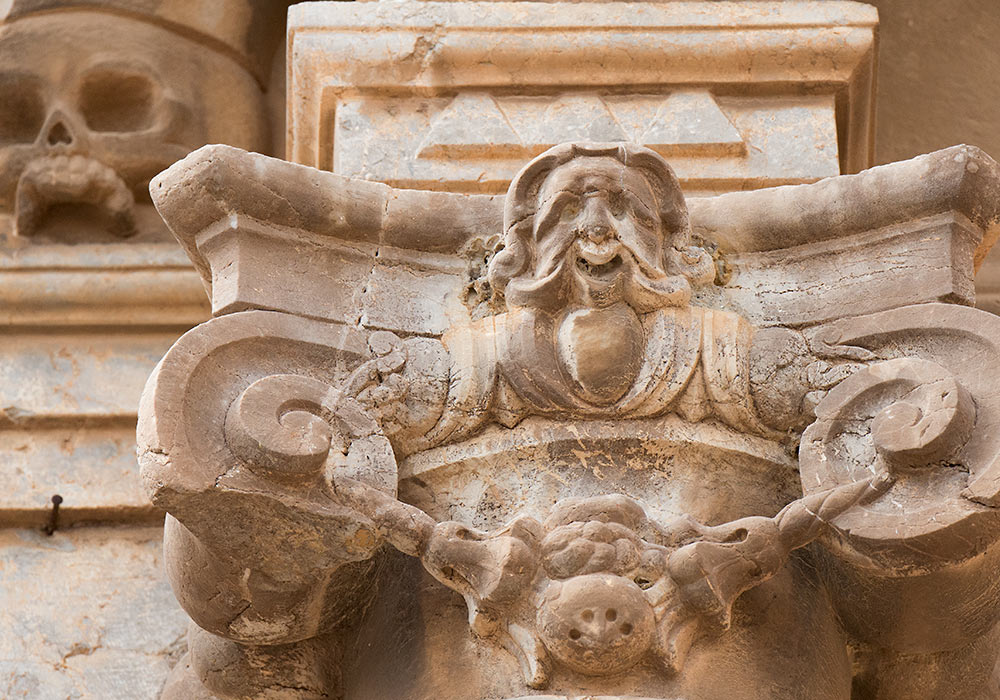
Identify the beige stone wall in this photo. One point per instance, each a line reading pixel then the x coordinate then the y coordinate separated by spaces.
pixel 937 76
pixel 455 96
pixel 87 612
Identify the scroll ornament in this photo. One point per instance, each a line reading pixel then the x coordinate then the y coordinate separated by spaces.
pixel 595 588
pixel 274 441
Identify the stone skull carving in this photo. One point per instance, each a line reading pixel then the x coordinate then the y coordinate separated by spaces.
pixel 93 105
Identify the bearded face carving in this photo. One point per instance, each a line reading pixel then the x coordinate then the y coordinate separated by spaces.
pixel 596 244
pixel 595 226
pixel 93 105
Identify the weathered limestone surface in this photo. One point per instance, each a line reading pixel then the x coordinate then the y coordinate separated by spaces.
pixel 456 96
pixel 69 384
pixel 629 437
pixel 86 614
pixel 95 99
pixel 605 476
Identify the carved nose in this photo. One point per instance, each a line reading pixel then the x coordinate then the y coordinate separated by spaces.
pixel 59 134
pixel 596 224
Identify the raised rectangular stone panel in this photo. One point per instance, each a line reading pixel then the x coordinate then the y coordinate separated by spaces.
pixel 715 144
pixel 454 96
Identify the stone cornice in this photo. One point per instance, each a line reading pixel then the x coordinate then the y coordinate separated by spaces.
pixel 219 191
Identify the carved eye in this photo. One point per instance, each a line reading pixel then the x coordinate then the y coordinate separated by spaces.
pixel 616 205
pixel 570 210
pixel 22 109
pixel 114 101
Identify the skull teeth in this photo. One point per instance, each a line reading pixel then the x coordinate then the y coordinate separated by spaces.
pixel 75 179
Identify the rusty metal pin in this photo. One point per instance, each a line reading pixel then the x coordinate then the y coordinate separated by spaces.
pixel 53 523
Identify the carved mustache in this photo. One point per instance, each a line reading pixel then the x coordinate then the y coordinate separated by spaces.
pixel 560 250
pixel 642 291
pixel 77 179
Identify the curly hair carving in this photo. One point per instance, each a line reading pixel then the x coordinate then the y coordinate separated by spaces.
pixel 521 206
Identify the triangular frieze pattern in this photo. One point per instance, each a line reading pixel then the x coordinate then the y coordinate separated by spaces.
pixel 472 125
pixel 478 125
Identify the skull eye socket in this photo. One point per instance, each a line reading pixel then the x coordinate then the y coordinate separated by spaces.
pixel 113 101
pixel 22 109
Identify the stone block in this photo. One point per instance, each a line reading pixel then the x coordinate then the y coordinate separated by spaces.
pixel 91 467
pixel 76 377
pixel 455 96
pixel 68 401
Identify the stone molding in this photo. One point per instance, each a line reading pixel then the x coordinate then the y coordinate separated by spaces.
pixel 241 29
pixel 454 96
pixel 144 285
pixel 223 204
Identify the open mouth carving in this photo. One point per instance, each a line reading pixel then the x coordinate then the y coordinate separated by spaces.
pixel 599 260
pixel 606 269
pixel 50 182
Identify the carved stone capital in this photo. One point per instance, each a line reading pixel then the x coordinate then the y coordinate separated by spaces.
pixel 599 459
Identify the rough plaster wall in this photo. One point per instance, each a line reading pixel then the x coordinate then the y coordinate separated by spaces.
pixel 86 613
pixel 938 76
